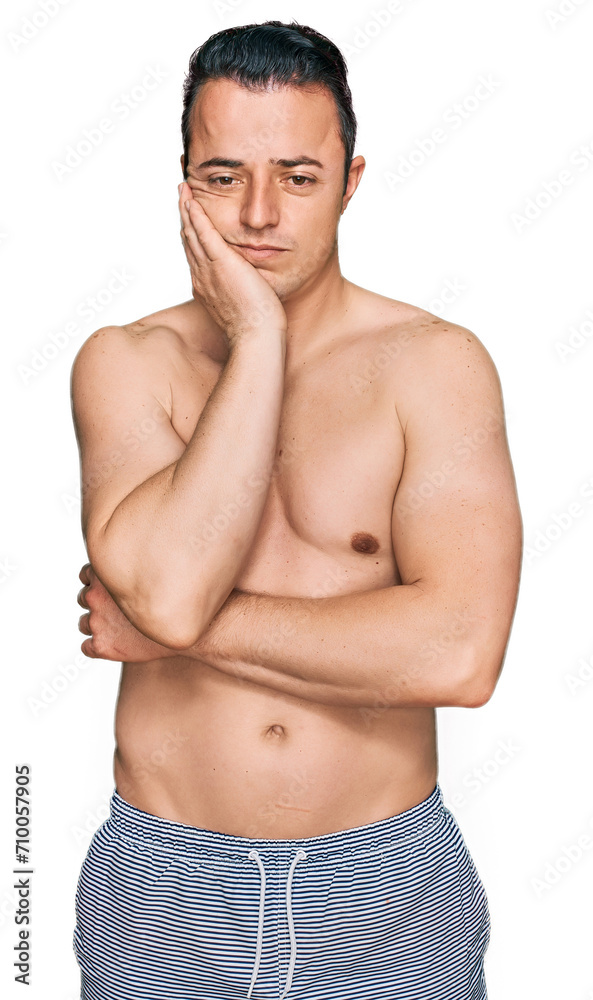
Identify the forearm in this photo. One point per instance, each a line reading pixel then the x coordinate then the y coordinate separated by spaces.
pixel 173 548
pixel 395 646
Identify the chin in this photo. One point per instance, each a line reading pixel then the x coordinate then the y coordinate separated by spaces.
pixel 274 280
pixel 279 286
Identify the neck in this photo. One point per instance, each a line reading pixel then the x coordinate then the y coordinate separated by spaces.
pixel 316 311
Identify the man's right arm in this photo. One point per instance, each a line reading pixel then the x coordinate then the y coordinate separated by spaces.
pixel 151 506
pixel 146 517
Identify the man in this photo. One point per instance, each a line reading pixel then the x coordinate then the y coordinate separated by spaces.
pixel 304 536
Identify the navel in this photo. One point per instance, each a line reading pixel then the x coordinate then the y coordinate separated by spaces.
pixel 275 730
pixel 363 541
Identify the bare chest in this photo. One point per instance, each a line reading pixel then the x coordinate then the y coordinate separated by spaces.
pixel 326 523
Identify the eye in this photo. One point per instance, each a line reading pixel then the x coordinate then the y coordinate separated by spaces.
pixel 217 181
pixel 302 177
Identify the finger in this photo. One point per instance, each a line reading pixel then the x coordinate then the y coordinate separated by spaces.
pixel 83 576
pixel 87 649
pixel 196 257
pixel 84 625
pixel 184 198
pixel 210 239
pixel 188 232
pixel 81 598
pixel 199 230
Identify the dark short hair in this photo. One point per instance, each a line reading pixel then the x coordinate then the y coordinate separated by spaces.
pixel 254 55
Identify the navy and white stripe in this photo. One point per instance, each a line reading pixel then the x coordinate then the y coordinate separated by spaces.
pixel 393 910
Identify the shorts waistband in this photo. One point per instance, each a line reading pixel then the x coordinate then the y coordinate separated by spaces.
pixel 148 830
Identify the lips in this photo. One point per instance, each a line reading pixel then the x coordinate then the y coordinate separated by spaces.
pixel 259 253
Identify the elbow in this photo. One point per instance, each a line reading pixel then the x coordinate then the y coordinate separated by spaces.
pixel 477 683
pixel 168 624
pixel 174 627
pixel 184 618
pixel 476 697
pixel 175 638
pixel 166 630
pixel 172 619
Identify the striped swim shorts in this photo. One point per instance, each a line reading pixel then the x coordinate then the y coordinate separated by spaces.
pixel 393 909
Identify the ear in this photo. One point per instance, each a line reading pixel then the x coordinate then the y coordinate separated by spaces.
pixel 354 177
pixel 182 161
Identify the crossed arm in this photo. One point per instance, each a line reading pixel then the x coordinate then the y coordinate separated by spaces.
pixel 437 639
pixel 383 647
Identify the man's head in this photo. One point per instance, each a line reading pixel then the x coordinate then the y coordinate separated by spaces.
pixel 272 92
pixel 256 55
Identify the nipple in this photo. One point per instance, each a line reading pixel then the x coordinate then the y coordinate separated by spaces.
pixel 363 541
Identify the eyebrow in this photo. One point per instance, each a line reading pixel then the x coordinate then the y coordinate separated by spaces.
pixel 220 161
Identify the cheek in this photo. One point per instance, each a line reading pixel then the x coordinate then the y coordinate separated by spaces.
pixel 201 192
pixel 316 241
pixel 219 210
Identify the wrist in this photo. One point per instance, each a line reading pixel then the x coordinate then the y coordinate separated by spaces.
pixel 245 338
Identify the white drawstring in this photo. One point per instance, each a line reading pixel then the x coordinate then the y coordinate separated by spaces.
pixel 299 854
pixel 254 856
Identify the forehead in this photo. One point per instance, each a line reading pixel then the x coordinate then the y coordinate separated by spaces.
pixel 229 120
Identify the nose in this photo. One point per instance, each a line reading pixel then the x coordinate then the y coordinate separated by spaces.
pixel 259 206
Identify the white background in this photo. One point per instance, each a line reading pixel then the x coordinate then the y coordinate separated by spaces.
pixel 517 772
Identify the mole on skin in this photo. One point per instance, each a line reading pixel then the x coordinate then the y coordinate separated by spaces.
pixel 362 541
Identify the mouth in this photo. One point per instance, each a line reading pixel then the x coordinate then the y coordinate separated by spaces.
pixel 259 252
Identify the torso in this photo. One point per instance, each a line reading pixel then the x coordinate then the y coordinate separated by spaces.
pixel 206 748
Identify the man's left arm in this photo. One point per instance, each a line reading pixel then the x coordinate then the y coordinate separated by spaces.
pixel 440 637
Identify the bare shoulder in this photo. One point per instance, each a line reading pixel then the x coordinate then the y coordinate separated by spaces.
pixel 154 332
pixel 434 341
pixel 423 359
pixel 433 355
pixel 447 359
pixel 183 326
pixel 422 334
pixel 114 357
pixel 148 351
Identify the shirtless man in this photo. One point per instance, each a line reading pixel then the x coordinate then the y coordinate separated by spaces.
pixel 304 536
